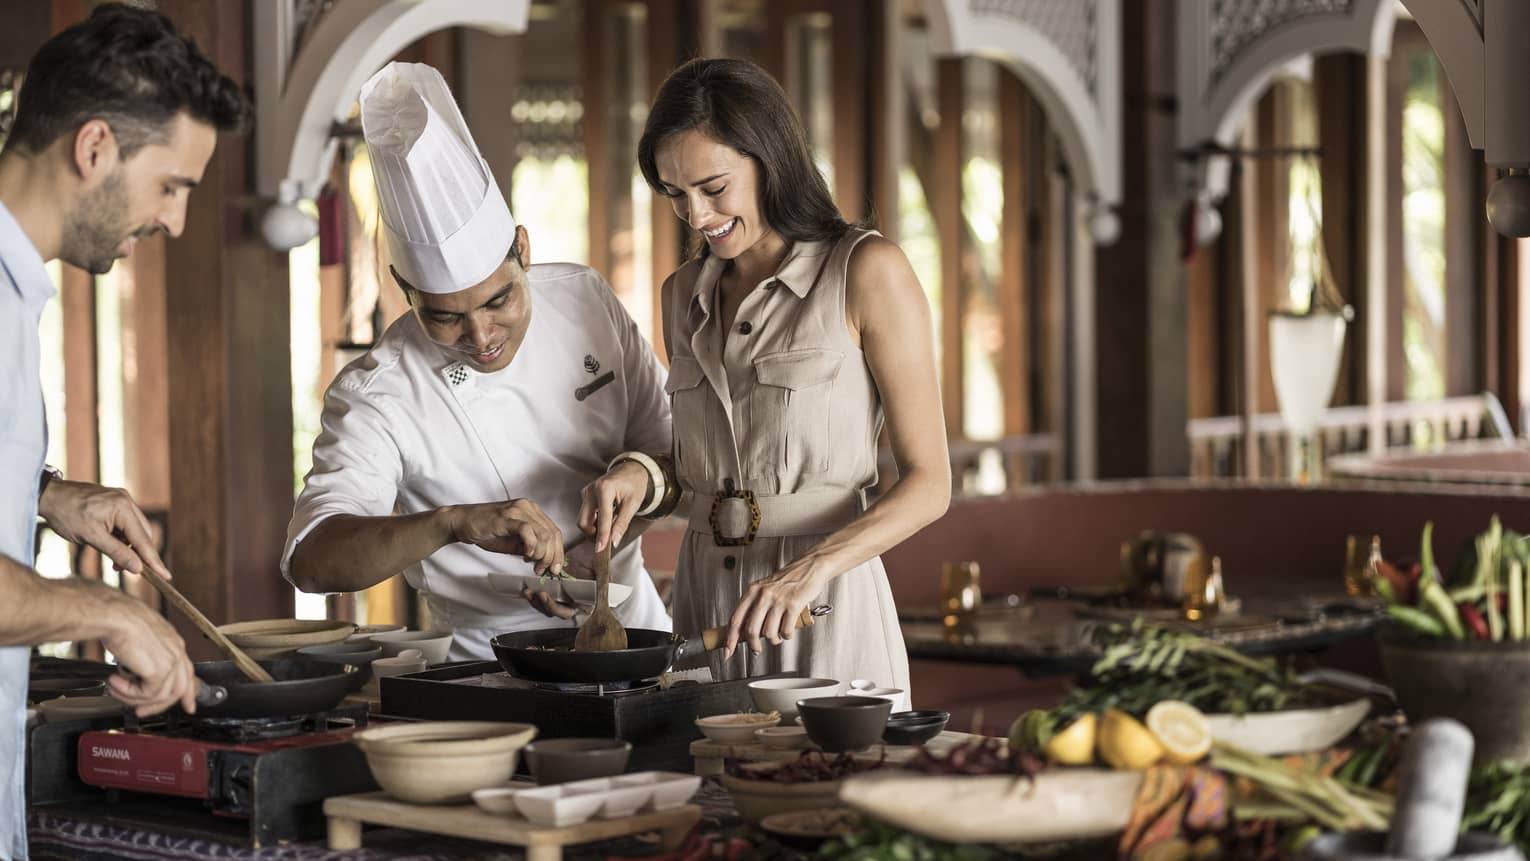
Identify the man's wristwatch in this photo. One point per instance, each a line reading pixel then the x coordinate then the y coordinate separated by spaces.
pixel 49 473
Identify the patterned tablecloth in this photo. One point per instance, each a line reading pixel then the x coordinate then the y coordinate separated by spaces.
pixel 59 837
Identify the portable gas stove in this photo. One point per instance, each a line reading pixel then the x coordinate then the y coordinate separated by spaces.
pixel 659 721
pixel 263 780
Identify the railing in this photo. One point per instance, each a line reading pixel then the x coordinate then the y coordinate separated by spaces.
pixel 1216 444
pixel 980 467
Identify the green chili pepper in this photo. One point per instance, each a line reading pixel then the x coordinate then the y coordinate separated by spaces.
pixel 1433 597
pixel 1418 620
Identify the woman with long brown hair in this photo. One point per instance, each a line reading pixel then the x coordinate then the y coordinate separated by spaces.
pixel 791 335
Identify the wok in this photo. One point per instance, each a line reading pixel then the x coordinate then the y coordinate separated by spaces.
pixel 300 687
pixel 547 655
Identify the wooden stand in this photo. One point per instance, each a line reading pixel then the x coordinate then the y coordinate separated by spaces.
pixel 347 813
pixel 709 755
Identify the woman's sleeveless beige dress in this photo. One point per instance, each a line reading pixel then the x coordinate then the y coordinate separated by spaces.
pixel 780 416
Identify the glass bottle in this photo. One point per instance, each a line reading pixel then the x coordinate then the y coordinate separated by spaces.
pixel 960 594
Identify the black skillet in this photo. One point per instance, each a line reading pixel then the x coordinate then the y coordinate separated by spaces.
pixel 300 687
pixel 547 655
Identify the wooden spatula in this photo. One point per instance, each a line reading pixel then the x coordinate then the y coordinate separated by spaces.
pixel 245 663
pixel 602 632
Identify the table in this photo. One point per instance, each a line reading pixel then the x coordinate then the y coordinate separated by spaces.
pixel 1047 638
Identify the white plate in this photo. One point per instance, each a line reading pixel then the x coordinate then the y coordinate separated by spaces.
pixel 581 592
pixel 1061 804
pixel 1289 731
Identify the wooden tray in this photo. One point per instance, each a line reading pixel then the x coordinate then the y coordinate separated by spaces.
pixel 709 755
pixel 347 813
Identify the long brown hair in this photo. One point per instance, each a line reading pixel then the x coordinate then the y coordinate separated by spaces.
pixel 737 103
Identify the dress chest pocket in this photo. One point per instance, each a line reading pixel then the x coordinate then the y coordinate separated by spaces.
pixel 688 403
pixel 794 397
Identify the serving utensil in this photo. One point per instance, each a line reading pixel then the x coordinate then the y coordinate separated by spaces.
pixel 602 632
pixel 245 663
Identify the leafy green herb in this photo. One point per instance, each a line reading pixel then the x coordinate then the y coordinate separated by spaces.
pixel 1143 664
pixel 1498 801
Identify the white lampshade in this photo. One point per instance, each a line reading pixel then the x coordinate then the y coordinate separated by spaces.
pixel 1304 358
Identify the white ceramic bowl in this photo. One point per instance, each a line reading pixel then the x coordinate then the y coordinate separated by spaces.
pixel 558 805
pixel 735 728
pixel 364 633
pixel 782 737
pixel 442 762
pixel 781 695
pixel 1290 731
pixel 273 638
pixel 432 644
pixel 890 694
pixel 580 592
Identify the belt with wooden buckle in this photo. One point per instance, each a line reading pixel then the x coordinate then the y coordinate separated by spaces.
pixel 750 500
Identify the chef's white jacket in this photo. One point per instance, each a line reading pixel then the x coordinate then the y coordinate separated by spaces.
pixel 407 428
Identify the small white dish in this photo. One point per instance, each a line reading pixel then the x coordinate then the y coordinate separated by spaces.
pixel 407 661
pixel 889 694
pixel 782 737
pixel 499 800
pixel 581 592
pixel 670 788
pixel 861 685
pixel 364 633
pixel 735 728
pixel 558 805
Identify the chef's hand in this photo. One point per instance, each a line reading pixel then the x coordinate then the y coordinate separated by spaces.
pixel 546 604
pixel 518 527
pixel 772 605
pixel 142 640
pixel 611 501
pixel 105 518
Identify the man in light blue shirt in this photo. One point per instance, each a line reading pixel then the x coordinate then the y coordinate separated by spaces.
pixel 116 121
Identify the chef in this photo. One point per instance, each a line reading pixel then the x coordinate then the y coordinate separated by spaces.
pixel 460 443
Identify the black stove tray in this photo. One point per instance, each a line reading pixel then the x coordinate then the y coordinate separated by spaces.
pixel 660 723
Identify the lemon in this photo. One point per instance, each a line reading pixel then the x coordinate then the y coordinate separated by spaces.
pixel 1125 743
pixel 1181 729
pixel 1074 745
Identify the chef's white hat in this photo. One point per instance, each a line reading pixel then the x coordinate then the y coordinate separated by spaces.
pixel 446 223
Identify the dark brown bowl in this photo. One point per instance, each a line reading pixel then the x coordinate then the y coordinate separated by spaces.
pixel 916 727
pixel 839 724
pixel 561 760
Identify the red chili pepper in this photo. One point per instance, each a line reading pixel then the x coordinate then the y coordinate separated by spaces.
pixel 1474 620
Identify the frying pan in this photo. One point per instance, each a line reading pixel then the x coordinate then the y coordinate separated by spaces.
pixel 300 687
pixel 547 655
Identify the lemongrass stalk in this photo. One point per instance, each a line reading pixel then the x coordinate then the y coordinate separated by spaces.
pixel 1516 600
pixel 1365 812
pixel 1327 818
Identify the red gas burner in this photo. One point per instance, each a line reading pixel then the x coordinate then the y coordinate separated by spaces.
pixel 210 759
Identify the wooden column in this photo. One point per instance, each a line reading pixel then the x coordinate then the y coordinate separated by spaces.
pixel 1013 287
pixel 945 204
pixel 885 116
pixel 1406 41
pixel 849 39
pixel 1466 353
pixel 1339 88
pixel 227 312
pixel 596 123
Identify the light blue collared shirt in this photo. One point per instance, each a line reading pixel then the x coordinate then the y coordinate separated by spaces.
pixel 24 289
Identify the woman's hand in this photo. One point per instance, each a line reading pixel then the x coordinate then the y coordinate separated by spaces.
pixel 610 502
pixel 772 605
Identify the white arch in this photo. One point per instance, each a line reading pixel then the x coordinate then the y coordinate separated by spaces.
pixel 300 102
pixel 1215 110
pixel 1089 127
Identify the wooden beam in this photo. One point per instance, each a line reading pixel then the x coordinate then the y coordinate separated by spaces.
pixel 230 384
pixel 1466 351
pixel 664 56
pixel 946 211
pixel 1378 231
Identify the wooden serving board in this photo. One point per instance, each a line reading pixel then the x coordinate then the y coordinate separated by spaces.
pixel 709 755
pixel 347 813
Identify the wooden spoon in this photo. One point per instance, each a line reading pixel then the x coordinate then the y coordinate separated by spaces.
pixel 602 632
pixel 244 662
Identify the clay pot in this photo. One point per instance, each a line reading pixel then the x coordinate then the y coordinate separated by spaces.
pixel 1484 685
